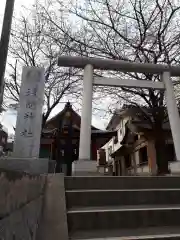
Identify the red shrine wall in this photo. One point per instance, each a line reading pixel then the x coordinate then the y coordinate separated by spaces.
pixel 47 150
pixel 93 151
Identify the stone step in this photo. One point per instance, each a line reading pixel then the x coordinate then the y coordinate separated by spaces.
pixel 130 234
pixel 142 216
pixel 108 182
pixel 115 197
pixel 155 237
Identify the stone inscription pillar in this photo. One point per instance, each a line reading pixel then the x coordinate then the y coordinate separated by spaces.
pixel 29 119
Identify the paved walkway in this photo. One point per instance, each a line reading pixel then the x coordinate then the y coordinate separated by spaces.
pixel 127 234
pixel 89 168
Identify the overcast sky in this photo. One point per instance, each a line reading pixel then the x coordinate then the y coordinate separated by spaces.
pixel 17 9
pixel 8 118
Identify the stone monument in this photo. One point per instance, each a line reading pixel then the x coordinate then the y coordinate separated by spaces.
pixel 29 119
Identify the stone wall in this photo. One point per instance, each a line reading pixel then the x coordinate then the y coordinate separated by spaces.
pixel 28 165
pixel 54 217
pixel 82 167
pixel 21 198
pixel 175 167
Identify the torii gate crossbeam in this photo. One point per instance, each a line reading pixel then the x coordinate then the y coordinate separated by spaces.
pixel 89 64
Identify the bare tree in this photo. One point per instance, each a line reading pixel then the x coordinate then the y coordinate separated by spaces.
pixel 31 47
pixel 130 30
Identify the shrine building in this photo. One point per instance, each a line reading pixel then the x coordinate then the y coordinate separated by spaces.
pixel 66 125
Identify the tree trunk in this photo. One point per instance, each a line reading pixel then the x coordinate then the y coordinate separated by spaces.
pixel 160 145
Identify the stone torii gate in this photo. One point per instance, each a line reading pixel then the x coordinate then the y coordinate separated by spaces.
pixel 89 64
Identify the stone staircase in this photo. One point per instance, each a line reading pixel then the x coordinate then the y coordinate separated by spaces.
pixel 123 207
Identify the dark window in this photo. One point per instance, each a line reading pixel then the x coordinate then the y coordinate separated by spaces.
pixel 128 161
pixel 116 139
pixel 143 158
pixel 136 137
pixel 170 152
